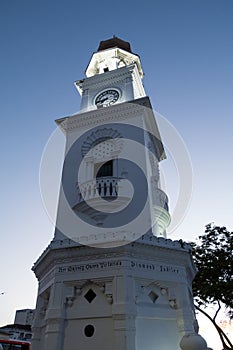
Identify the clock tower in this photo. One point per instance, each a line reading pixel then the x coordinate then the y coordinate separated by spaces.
pixel 110 277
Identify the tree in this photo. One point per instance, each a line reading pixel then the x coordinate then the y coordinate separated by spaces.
pixel 213 284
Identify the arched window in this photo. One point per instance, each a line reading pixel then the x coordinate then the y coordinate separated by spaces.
pixel 104 170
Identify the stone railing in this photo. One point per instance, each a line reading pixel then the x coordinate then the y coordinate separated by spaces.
pixel 99 187
pixel 110 186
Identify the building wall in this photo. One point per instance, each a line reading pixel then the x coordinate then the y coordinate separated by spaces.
pixel 24 316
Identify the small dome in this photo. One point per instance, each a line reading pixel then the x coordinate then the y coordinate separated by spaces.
pixel 114 42
pixel 193 342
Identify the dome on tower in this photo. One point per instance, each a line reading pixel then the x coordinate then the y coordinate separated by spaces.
pixel 114 42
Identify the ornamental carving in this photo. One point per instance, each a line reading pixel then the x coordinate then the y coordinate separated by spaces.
pixel 99 136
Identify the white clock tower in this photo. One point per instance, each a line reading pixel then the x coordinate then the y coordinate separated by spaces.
pixel 110 278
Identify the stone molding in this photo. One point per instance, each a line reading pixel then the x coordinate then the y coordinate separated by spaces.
pixel 132 262
pixel 97 117
pixel 56 251
pixel 100 134
pixel 104 284
pixel 111 78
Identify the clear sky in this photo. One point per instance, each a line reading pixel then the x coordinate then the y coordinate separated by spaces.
pixel 187 56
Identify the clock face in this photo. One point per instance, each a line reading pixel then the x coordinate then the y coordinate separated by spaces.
pixel 107 98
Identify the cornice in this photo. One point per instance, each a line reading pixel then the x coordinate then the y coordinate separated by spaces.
pixel 111 77
pixel 115 113
pixel 152 248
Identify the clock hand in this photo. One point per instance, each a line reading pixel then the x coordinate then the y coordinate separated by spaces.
pixel 100 102
pixel 104 99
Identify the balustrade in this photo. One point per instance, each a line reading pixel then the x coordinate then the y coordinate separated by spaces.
pixel 109 188
pixel 99 187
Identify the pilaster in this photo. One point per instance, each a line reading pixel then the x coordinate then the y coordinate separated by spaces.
pixel 55 316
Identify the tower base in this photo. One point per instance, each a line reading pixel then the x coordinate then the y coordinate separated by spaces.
pixel 133 297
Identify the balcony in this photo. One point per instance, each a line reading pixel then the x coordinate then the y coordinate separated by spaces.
pixel 101 196
pixel 159 198
pixel 161 216
pixel 103 187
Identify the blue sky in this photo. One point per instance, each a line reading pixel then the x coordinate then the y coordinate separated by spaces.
pixel 186 52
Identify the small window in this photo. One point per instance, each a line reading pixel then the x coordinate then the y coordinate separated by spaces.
pixel 105 170
pixel 153 296
pixel 90 296
pixel 106 69
pixel 89 330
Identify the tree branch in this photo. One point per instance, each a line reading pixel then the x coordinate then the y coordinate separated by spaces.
pixel 216 313
pixel 221 333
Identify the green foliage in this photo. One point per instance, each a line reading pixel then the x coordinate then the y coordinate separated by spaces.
pixel 213 256
pixel 213 284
